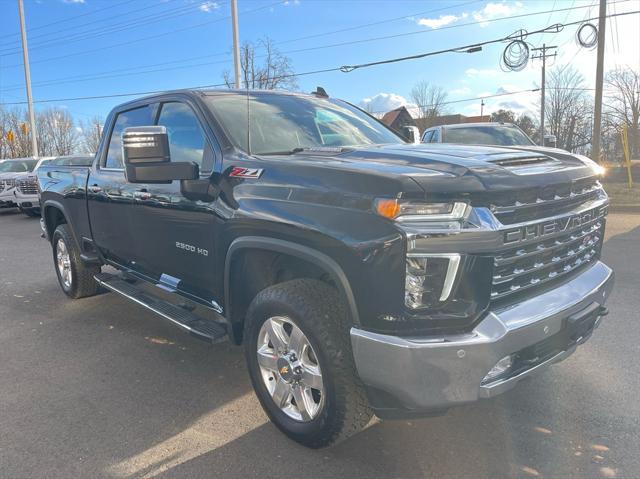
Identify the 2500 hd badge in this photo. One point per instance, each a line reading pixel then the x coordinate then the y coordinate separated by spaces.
pixel 192 249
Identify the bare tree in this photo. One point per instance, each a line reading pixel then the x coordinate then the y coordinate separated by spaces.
pixel 429 100
pixel 274 71
pixel 17 134
pixel 568 110
pixel 58 129
pixel 623 103
pixel 91 131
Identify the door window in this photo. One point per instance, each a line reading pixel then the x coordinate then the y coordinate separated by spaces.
pixel 427 136
pixel 186 138
pixel 436 136
pixel 136 117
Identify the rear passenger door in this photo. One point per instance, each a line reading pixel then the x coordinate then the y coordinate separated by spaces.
pixel 110 197
pixel 177 234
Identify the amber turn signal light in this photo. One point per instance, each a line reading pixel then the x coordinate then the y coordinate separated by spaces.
pixel 387 208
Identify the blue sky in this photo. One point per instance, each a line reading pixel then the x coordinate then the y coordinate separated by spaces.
pixel 100 47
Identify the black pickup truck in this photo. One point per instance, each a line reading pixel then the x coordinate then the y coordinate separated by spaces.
pixel 363 275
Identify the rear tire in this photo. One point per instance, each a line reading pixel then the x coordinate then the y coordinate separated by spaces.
pixel 314 310
pixel 74 276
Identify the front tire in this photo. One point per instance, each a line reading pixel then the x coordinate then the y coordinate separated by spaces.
pixel 75 277
pixel 298 351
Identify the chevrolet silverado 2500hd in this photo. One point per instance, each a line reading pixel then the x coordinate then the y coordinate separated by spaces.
pixel 362 275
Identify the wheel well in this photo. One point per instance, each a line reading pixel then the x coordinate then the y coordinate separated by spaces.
pixel 252 270
pixel 53 217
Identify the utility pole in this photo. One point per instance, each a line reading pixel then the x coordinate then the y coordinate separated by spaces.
pixel 27 79
pixel 481 109
pixel 597 112
pixel 236 42
pixel 543 55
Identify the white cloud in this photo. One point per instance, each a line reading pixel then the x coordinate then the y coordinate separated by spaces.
pixel 73 1
pixel 291 2
pixel 493 10
pixel 208 7
pixel 465 90
pixel 437 22
pixel 482 72
pixel 384 102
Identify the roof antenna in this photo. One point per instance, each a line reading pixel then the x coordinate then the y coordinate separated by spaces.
pixel 320 92
pixel 248 118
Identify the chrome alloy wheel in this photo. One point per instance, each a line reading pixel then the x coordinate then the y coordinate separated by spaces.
pixel 290 369
pixel 63 262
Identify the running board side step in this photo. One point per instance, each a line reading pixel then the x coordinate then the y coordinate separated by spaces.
pixel 204 329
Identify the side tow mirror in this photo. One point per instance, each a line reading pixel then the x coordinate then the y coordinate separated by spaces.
pixel 145 150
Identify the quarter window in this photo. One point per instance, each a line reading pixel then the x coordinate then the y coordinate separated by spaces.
pixel 186 138
pixel 136 117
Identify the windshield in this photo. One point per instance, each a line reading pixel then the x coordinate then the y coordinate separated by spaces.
pixel 20 166
pixel 503 135
pixel 283 123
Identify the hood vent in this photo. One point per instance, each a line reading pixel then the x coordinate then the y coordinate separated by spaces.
pixel 524 161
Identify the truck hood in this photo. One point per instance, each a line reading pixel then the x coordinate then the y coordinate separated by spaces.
pixel 12 176
pixel 448 168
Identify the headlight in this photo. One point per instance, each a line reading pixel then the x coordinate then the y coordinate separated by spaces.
pixel 402 210
pixel 429 278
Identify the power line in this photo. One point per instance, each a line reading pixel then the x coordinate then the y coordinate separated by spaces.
pixel 366 40
pixel 109 29
pixel 129 42
pixel 103 75
pixel 531 90
pixel 86 77
pixel 380 22
pixel 446 27
pixel 110 7
pixel 344 68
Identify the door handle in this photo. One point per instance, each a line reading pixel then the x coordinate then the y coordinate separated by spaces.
pixel 95 189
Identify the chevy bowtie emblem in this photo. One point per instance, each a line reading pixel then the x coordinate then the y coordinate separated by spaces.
pixel 284 370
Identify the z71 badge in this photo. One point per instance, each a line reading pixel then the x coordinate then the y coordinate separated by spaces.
pixel 240 172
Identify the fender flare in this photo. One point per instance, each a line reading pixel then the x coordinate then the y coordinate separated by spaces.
pixel 57 205
pixel 311 255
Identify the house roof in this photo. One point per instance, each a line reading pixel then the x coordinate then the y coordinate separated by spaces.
pixel 390 116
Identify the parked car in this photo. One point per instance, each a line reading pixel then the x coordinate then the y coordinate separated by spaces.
pixel 362 274
pixel 9 171
pixel 494 134
pixel 26 192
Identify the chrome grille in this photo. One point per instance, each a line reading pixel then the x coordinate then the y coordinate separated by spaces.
pixel 548 258
pixel 538 203
pixel 27 187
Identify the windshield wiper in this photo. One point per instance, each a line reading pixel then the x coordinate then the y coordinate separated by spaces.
pixel 311 149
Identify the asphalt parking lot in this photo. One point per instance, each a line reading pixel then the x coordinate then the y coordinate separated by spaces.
pixel 100 387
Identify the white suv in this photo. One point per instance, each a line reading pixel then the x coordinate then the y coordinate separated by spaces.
pixel 9 171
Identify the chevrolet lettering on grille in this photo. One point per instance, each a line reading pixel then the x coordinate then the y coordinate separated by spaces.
pixel 548 228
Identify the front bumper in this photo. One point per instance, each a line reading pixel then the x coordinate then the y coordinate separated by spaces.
pixel 408 376
pixel 7 198
pixel 26 201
